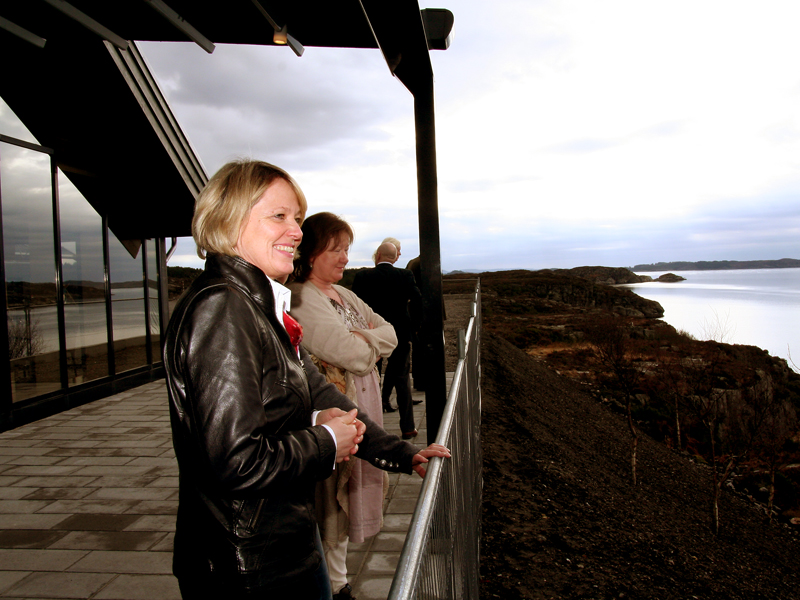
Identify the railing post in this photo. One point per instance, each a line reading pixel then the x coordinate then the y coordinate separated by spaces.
pixel 430 258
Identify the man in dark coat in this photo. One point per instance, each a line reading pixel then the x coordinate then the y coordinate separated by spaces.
pixel 394 295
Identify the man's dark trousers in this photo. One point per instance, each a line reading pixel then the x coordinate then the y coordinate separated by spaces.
pixel 397 377
pixel 393 294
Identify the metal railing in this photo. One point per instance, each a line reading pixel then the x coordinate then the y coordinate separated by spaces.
pixel 441 555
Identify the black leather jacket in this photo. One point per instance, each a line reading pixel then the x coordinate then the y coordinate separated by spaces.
pixel 240 406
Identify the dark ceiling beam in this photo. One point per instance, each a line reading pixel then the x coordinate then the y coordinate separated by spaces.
pixel 182 25
pixel 400 34
pixel 88 22
pixel 22 33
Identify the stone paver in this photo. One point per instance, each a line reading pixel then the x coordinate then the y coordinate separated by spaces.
pixel 88 500
pixel 141 587
pixel 23 559
pixel 60 585
pixel 101 561
pixel 11 578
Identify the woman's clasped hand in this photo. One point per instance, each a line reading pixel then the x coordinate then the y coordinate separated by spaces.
pixel 348 429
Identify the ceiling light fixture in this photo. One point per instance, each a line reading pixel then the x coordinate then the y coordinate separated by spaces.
pixel 281 35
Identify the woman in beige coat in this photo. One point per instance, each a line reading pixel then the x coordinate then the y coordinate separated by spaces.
pixel 345 338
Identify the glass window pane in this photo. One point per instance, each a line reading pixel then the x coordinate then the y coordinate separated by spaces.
pixel 84 286
pixel 30 271
pixel 127 303
pixel 152 288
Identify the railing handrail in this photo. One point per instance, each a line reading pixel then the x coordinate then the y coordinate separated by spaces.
pixel 406 577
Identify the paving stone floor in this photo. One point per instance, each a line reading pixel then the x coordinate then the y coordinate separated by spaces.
pixel 88 500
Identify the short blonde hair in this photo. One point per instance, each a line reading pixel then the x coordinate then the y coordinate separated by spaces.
pixel 225 203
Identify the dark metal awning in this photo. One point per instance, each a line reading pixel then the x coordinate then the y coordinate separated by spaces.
pixel 71 76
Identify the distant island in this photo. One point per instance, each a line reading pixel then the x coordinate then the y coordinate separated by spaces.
pixel 616 275
pixel 719 265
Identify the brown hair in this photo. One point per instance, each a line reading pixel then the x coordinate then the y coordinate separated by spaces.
pixel 319 230
pixel 224 204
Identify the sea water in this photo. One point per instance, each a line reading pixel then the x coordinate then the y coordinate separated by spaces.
pixel 757 307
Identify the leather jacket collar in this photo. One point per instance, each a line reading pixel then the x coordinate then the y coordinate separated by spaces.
pixel 244 275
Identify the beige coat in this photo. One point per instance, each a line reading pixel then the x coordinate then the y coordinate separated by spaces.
pixel 349 503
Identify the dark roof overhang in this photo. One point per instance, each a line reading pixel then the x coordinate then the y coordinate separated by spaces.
pixel 88 95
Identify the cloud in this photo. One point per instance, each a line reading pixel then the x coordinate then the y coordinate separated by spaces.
pixel 262 102
pixel 11 126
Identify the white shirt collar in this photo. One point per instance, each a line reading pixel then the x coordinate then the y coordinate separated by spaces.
pixel 283 299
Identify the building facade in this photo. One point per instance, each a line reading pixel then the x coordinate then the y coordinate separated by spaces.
pixel 83 310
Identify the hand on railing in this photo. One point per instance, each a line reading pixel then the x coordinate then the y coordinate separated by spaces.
pixel 421 457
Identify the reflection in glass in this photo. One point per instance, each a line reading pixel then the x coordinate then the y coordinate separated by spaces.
pixel 30 271
pixel 38 364
pixel 84 287
pixel 127 304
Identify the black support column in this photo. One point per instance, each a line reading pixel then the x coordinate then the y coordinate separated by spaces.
pixel 430 258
